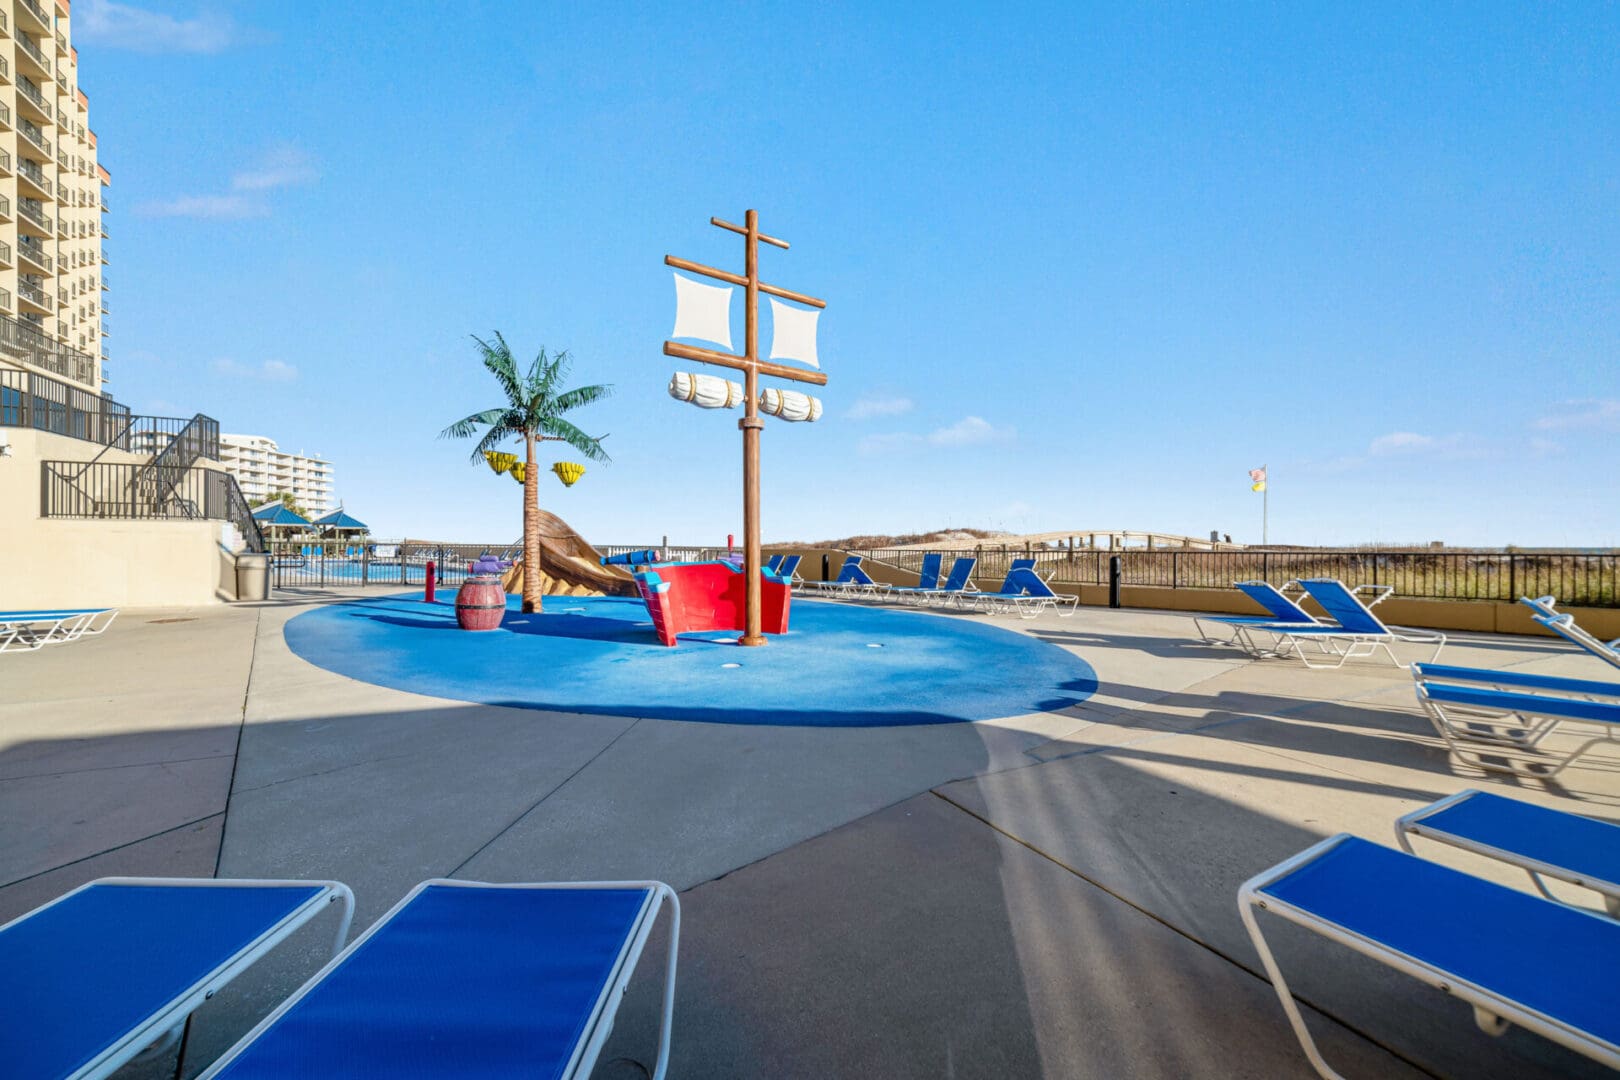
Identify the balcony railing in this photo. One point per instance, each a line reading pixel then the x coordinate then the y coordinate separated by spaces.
pixel 27 89
pixel 36 254
pixel 5 300
pixel 36 11
pixel 5 116
pixel 26 44
pixel 35 135
pixel 34 212
pixel 28 344
pixel 5 254
pixel 34 173
pixel 5 208
pixel 5 65
pixel 32 292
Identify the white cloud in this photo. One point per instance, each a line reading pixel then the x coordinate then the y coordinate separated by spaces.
pixel 269 371
pixel 208 207
pixel 970 431
pixel 1540 447
pixel 887 444
pixel 1581 413
pixel 124 26
pixel 283 166
pixel 868 408
pixel 1400 442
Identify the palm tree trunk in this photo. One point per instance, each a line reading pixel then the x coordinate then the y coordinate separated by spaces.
pixel 531 530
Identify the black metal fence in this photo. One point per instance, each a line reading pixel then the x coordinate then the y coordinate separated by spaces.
pixel 305 563
pixel 31 345
pixel 104 489
pixel 1576 578
pixel 31 400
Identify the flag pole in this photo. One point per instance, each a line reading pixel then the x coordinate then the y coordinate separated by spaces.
pixel 1265 512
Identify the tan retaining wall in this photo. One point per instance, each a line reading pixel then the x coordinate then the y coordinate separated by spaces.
pixel 70 563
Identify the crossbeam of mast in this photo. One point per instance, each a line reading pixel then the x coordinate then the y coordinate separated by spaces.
pixel 737 279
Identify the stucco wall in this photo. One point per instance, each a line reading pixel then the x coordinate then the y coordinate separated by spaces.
pixel 73 563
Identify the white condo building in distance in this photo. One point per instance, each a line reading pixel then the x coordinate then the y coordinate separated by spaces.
pixel 261 467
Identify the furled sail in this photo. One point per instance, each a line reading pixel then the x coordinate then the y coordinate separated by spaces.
pixel 705 391
pixel 793 335
pixel 789 405
pixel 702 311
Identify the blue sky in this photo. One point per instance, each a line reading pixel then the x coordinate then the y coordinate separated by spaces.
pixel 1085 266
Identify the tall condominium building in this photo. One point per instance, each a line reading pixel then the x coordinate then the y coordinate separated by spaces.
pixel 262 468
pixel 52 304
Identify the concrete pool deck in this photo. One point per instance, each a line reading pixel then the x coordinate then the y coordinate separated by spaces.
pixel 1051 894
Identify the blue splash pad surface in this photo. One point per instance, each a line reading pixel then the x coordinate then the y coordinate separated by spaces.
pixel 840 666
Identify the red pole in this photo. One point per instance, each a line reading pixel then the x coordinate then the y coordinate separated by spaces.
pixel 432 581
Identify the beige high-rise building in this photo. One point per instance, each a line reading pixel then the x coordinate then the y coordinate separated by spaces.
pixel 52 289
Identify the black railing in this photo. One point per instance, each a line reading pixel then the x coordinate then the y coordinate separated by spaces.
pixel 1576 578
pixel 238 513
pixel 31 400
pixel 106 489
pixel 171 464
pixel 311 562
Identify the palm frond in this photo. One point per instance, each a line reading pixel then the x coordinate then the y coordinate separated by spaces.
pixel 582 395
pixel 496 435
pixel 590 446
pixel 498 360
pixel 469 425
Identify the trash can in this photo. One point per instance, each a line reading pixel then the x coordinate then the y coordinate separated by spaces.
pixel 252 576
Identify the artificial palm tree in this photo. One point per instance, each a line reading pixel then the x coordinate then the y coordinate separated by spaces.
pixel 533 412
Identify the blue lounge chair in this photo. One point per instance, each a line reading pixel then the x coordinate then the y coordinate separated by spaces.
pixel 1517 680
pixel 927 578
pixel 773 562
pixel 1027 593
pixel 958 584
pixel 1358 631
pixel 1565 626
pixel 1445 928
pixel 96 976
pixel 851 579
pixel 467 979
pixel 24 631
pixel 788 569
pixel 1479 723
pixel 1282 608
pixel 1543 842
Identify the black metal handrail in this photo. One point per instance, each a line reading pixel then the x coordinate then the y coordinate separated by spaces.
pixel 30 345
pixel 110 489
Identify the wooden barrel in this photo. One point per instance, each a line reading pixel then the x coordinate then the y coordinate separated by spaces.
pixel 480 603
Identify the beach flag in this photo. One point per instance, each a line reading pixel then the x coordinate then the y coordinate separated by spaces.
pixel 1257 479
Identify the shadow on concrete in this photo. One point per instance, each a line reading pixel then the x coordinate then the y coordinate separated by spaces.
pixel 1070 918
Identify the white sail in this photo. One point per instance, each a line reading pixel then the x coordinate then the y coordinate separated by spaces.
pixel 793 333
pixel 702 311
pixel 705 391
pixel 790 405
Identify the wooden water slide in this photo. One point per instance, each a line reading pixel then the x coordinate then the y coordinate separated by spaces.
pixel 569 566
